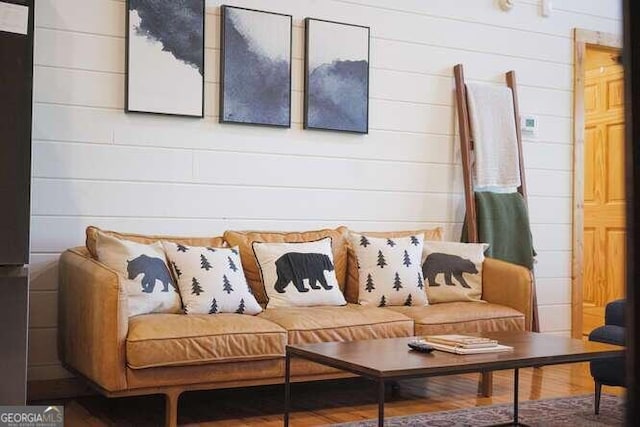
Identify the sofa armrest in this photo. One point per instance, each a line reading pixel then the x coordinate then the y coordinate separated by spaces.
pixel 92 319
pixel 510 285
pixel 614 313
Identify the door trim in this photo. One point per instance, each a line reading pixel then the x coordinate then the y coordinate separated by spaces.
pixel 581 38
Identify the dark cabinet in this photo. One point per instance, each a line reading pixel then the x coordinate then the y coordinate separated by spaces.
pixel 16 83
pixel 16 92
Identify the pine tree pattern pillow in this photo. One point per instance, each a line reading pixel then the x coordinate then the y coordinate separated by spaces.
pixel 298 274
pixel 453 271
pixel 389 270
pixel 210 280
pixel 144 273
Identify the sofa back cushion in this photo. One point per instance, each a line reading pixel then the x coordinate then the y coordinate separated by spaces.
pixel 92 233
pixel 244 241
pixel 351 291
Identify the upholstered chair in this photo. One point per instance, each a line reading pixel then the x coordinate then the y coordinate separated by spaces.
pixel 609 372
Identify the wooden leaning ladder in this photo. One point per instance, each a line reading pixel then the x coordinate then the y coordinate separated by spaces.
pixel 466 145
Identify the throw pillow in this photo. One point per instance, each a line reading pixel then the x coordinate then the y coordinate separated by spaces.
pixel 389 270
pixel 353 281
pixel 298 274
pixel 143 271
pixel 210 280
pixel 245 239
pixel 453 271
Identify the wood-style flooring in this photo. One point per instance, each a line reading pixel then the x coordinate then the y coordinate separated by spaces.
pixel 592 317
pixel 328 402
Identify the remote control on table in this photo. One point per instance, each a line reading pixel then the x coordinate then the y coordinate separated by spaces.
pixel 420 346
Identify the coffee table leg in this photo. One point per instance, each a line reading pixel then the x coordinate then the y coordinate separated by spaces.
pixel 516 380
pixel 380 402
pixel 287 388
pixel 514 421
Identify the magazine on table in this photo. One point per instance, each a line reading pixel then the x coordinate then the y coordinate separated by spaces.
pixel 465 341
pixel 497 348
pixel 465 344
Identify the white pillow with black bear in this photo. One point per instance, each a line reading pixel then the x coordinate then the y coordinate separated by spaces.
pixel 389 271
pixel 298 274
pixel 453 271
pixel 143 271
pixel 210 280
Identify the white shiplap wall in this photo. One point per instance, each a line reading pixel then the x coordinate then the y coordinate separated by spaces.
pixel 93 164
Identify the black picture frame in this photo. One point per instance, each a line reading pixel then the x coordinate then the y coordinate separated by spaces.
pixel 128 107
pixel 229 90
pixel 319 113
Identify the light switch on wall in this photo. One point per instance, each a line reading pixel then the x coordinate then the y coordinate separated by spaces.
pixel 547 7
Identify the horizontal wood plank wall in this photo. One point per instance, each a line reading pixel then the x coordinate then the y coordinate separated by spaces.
pixel 93 164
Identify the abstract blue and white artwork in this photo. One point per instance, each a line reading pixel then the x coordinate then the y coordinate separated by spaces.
pixel 336 76
pixel 165 57
pixel 255 67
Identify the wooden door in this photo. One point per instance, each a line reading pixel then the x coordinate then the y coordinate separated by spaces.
pixel 604 189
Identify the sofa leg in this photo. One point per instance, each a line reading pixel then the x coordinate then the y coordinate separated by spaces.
pixel 596 403
pixel 486 384
pixel 171 408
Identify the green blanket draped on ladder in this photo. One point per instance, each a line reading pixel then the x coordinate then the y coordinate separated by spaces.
pixel 503 222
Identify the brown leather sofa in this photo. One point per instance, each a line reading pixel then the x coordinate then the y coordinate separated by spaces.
pixel 172 353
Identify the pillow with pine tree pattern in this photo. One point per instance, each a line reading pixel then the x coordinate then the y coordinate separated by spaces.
pixel 389 270
pixel 210 280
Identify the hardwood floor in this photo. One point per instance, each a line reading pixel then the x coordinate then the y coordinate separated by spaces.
pixel 592 317
pixel 328 402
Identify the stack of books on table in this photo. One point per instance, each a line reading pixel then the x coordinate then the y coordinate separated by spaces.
pixel 465 344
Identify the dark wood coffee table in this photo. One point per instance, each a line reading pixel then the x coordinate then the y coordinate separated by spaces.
pixel 390 359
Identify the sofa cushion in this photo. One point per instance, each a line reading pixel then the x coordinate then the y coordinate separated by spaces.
pixel 350 322
pixel 230 374
pixel 352 287
pixel 179 340
pixel 92 233
pixel 244 240
pixel 462 317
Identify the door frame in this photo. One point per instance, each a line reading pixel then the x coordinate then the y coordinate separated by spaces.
pixel 581 39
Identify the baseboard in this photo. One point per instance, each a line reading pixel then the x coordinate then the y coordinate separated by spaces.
pixel 57 389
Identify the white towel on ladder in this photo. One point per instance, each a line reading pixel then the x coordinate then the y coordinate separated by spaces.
pixel 495 143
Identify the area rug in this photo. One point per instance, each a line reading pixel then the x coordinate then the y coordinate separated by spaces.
pixel 565 411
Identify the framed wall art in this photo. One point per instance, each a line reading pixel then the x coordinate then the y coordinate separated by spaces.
pixel 255 67
pixel 336 85
pixel 165 57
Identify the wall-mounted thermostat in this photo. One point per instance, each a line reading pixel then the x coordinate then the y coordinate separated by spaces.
pixel 529 124
pixel 505 5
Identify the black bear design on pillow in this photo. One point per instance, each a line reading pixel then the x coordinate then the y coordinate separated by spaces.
pixel 449 265
pixel 153 269
pixel 295 267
